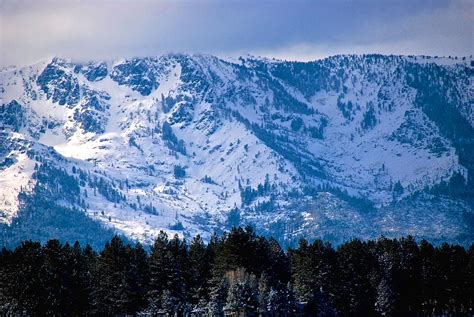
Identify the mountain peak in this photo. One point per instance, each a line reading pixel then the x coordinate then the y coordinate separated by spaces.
pixel 347 146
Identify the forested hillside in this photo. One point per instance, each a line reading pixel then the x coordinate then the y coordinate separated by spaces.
pixel 349 146
pixel 238 271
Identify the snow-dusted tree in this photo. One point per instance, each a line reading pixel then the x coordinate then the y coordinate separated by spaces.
pixel 243 291
pixel 303 279
pixel 385 302
pixel 169 303
pixel 279 302
pixel 263 292
pixel 20 280
pixel 313 271
pixel 241 295
pixel 217 296
pixel 389 254
pixel 324 305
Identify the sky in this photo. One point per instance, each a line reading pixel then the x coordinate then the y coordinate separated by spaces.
pixel 33 30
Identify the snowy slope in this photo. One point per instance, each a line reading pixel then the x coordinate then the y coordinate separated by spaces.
pixel 192 143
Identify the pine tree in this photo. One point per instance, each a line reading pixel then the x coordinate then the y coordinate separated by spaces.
pixel 429 286
pixel 56 279
pixel 139 278
pixel 169 303
pixel 278 267
pixel 112 287
pixel 453 261
pixel 278 301
pixel 81 263
pixel 158 274
pixel 217 296
pixel 241 248
pixel 264 290
pixel 314 277
pixel 356 268
pixel 177 267
pixel 408 277
pixel 26 281
pixel 469 304
pixel 387 301
pixel 8 302
pixel 386 298
pixel 199 264
pixel 242 292
pixel 302 277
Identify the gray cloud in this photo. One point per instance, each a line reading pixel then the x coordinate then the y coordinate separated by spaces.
pixel 33 30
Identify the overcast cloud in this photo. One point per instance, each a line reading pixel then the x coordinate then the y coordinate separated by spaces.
pixel 302 30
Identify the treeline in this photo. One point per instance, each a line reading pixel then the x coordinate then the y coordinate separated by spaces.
pixel 238 272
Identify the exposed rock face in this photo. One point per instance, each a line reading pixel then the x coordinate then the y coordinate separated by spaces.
pixel 348 146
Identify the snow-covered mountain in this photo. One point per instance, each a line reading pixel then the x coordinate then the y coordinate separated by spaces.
pixel 347 146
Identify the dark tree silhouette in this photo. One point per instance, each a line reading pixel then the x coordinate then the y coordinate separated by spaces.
pixel 238 272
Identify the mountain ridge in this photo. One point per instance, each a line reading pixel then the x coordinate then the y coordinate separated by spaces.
pixel 195 144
